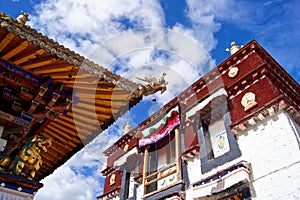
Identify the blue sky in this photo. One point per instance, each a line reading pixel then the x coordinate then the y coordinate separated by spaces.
pixel 185 38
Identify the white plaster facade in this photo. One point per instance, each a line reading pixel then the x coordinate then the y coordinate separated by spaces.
pixel 9 194
pixel 140 192
pixel 272 149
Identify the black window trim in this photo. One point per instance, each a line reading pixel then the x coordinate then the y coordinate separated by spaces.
pixel 208 164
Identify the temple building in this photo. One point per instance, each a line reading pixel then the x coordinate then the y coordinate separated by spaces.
pixel 233 134
pixel 53 102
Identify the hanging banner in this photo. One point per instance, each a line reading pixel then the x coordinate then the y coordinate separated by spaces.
pixel 160 129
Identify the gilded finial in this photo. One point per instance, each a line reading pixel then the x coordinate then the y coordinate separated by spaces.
pixel 127 128
pixel 234 48
pixel 153 85
pixel 23 18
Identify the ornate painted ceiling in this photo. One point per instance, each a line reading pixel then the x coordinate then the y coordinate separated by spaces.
pixel 49 90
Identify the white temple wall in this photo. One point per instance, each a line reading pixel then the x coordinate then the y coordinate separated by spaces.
pixel 273 151
pixel 140 191
pixel 193 168
pixel 272 148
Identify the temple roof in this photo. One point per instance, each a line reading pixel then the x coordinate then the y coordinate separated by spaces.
pixel 99 97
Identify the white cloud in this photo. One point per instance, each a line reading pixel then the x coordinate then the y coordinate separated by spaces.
pixel 201 13
pixel 149 52
pixel 93 21
pixel 65 184
pixel 95 29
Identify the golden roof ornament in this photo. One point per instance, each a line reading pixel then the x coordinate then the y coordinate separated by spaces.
pixel 234 48
pixel 23 18
pixel 127 128
pixel 153 85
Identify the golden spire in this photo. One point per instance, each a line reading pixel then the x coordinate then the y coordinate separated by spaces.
pixel 234 48
pixel 23 18
pixel 127 128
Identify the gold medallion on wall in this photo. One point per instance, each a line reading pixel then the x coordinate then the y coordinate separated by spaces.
pixel 233 71
pixel 248 101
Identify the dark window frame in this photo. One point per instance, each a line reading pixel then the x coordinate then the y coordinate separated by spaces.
pixel 207 161
pixel 153 157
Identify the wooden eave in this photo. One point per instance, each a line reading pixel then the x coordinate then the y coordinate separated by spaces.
pixel 103 96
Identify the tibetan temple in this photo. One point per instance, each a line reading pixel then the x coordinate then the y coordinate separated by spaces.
pixel 233 134
pixel 53 102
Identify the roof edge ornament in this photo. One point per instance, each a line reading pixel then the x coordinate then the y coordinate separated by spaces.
pixel 27 33
pixel 152 85
pixel 23 18
pixel 234 48
pixel 127 128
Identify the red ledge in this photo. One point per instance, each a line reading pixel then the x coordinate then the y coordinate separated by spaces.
pixel 194 150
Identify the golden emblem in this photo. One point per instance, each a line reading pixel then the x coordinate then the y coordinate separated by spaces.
pixel 233 71
pixel 112 179
pixel 126 147
pixel 248 101
pixel 221 142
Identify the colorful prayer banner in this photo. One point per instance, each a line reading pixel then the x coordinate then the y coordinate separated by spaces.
pixel 159 130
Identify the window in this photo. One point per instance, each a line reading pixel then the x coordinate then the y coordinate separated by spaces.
pixel 165 151
pixel 217 144
pixel 128 163
pixel 125 183
pixel 162 155
pixel 215 138
pixel 160 142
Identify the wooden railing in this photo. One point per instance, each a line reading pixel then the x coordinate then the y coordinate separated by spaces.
pixel 173 171
pixel 160 174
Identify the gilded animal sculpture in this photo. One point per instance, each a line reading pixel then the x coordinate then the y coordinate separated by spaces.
pixel 23 18
pixel 28 160
pixel 152 85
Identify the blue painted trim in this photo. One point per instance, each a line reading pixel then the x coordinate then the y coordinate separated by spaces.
pixel 15 187
pixel 16 70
